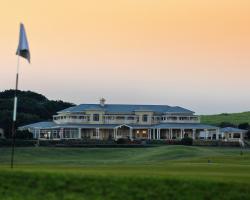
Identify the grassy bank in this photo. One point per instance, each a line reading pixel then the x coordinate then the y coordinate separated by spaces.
pixel 166 172
pixel 234 118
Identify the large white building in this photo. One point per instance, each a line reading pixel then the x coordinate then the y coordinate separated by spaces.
pixel 113 121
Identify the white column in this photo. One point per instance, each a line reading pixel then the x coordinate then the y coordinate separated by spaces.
pixel 158 134
pixel 193 136
pixel 182 133
pixel 206 134
pixel 171 133
pixel 217 134
pixel 149 134
pixel 130 133
pixel 79 133
pixel 98 133
pixel 60 133
pixel 114 135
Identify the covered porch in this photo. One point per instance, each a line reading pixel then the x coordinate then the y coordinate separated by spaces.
pixel 232 134
pixel 179 131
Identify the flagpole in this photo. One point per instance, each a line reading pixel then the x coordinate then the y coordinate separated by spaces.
pixel 14 116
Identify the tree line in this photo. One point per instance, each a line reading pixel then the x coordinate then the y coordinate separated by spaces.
pixel 32 107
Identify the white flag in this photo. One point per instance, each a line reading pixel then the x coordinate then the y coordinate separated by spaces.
pixel 23 46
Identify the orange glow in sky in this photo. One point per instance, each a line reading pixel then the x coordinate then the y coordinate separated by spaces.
pixel 190 53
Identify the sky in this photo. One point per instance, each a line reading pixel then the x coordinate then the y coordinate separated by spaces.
pixel 189 53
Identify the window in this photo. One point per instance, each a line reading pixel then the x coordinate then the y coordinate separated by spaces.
pixel 236 135
pixel 95 117
pixel 145 118
pixel 70 133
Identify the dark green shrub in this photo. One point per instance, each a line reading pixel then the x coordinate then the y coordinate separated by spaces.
pixel 24 134
pixel 122 141
pixel 187 141
pixel 18 143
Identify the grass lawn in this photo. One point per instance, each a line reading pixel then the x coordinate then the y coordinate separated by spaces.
pixel 166 172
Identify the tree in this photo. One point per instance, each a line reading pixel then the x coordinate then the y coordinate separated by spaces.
pixel 24 134
pixel 244 126
pixel 32 107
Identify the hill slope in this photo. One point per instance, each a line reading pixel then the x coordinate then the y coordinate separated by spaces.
pixel 233 118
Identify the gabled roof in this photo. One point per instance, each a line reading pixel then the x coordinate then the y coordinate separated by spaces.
pixel 232 130
pixel 127 108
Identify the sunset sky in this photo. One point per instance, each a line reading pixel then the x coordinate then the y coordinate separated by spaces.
pixel 190 53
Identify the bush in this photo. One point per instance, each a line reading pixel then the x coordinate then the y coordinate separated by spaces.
pixel 164 142
pixel 187 141
pixel 18 143
pixel 122 141
pixel 216 143
pixel 24 134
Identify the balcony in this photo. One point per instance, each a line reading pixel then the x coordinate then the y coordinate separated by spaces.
pixel 74 119
pixel 121 119
pixel 180 119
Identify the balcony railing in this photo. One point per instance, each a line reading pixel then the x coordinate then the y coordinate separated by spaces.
pixel 114 119
pixel 123 119
pixel 180 119
pixel 72 119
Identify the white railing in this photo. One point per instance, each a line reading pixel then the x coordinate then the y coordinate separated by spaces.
pixel 124 119
pixel 120 119
pixel 178 119
pixel 71 119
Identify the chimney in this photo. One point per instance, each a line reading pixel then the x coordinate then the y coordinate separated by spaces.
pixel 102 102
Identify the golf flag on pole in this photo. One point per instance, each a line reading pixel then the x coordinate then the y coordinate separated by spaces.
pixel 22 51
pixel 23 46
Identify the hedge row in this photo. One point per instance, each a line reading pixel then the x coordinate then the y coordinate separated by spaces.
pixel 111 143
pixel 215 143
pixel 18 143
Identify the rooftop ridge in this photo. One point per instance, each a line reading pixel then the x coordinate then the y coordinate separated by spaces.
pixel 127 108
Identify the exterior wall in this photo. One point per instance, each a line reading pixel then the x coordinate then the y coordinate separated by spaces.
pixel 92 113
pixel 232 136
pixel 141 115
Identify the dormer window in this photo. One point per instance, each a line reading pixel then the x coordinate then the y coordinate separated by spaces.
pixel 96 117
pixel 145 118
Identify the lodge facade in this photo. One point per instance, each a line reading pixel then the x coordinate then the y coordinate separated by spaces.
pixel 113 121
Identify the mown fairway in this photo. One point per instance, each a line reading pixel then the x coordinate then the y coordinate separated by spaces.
pixel 166 172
